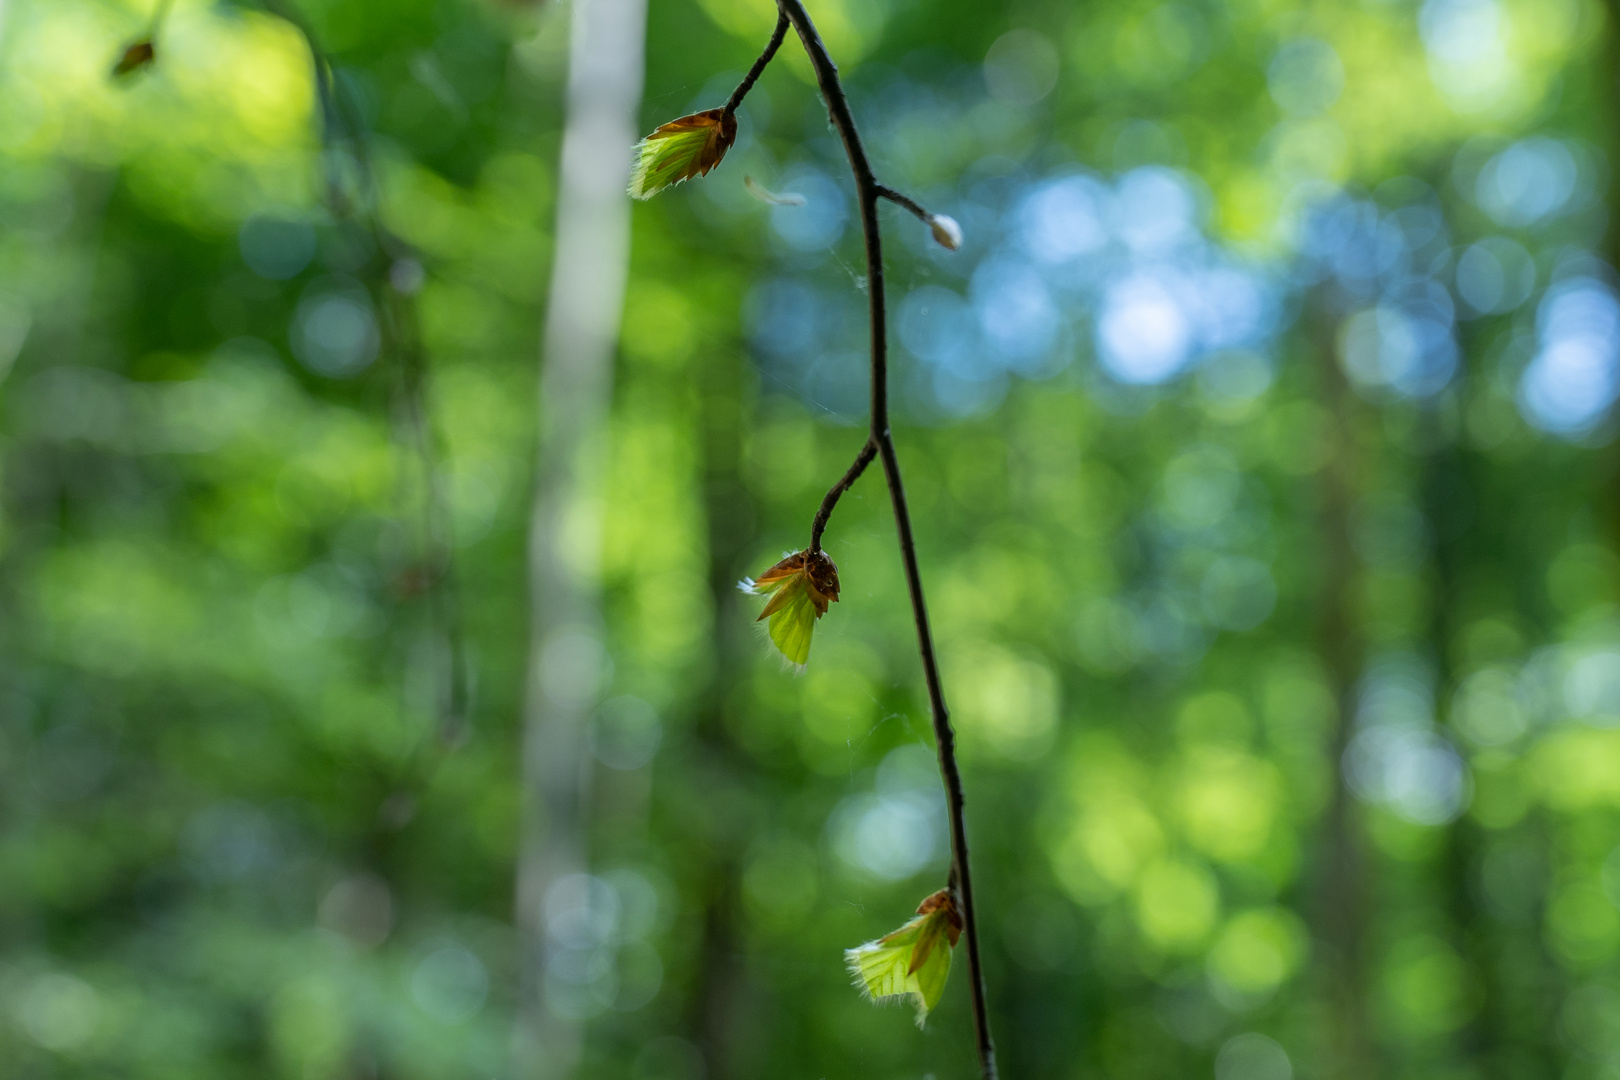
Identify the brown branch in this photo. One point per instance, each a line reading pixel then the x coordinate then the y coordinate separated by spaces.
pixel 862 460
pixel 754 72
pixel 868 191
pixel 905 202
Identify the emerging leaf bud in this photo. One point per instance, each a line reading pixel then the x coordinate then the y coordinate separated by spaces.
pixel 680 150
pixel 801 587
pixel 947 233
pixel 912 961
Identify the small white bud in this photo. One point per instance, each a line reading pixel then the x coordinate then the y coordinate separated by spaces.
pixel 947 233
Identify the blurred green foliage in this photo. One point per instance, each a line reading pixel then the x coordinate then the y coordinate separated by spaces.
pixel 1270 318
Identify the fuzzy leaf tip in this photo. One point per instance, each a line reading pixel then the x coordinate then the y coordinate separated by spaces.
pixel 681 149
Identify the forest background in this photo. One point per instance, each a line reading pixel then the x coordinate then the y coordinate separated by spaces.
pixel 1259 440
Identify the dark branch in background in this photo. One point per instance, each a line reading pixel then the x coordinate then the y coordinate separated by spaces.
pixel 344 137
pixel 868 191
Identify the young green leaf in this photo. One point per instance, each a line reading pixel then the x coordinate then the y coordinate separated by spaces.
pixel 912 961
pixel 800 587
pixel 680 150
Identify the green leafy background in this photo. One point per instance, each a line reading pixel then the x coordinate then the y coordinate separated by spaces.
pixel 231 841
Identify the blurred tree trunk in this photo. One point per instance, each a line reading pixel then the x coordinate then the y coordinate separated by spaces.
pixel 1341 901
pixel 1609 95
pixel 589 266
pixel 1447 498
pixel 718 1003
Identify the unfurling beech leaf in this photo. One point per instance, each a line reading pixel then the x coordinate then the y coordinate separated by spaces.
pixel 680 150
pixel 800 587
pixel 134 58
pixel 912 961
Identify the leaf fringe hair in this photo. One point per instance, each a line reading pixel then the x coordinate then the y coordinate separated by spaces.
pixel 852 964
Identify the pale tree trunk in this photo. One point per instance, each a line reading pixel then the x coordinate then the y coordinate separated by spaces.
pixel 589 266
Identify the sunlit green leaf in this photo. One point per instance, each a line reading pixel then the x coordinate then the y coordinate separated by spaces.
pixel 800 589
pixel 913 961
pixel 680 150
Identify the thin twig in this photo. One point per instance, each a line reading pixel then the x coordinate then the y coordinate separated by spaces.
pixel 868 191
pixel 754 72
pixel 862 460
pixel 905 202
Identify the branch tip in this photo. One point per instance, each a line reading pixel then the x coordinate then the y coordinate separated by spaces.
pixel 868 451
pixel 758 69
pixel 947 233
